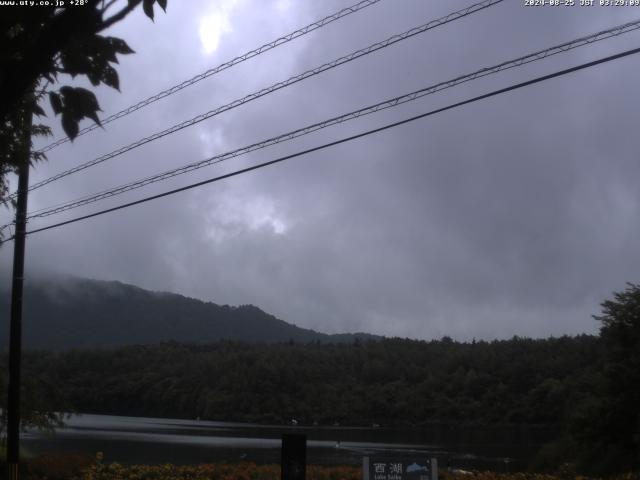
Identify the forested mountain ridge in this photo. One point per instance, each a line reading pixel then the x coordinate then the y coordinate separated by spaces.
pixel 67 312
pixel 389 382
pixel 586 386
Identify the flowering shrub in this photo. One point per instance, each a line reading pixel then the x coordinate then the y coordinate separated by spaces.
pixel 59 467
pixel 74 467
pixel 216 471
pixel 527 476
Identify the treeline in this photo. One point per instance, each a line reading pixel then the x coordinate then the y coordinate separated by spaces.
pixel 586 385
pixel 388 382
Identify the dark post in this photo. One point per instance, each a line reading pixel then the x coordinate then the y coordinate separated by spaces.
pixel 294 457
pixel 15 328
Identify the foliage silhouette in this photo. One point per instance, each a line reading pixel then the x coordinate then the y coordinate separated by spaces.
pixel 39 44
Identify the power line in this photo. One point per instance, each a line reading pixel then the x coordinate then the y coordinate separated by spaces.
pixel 343 140
pixel 390 103
pixel 277 86
pixel 223 66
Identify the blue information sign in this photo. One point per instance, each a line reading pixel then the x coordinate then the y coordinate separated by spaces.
pixel 389 468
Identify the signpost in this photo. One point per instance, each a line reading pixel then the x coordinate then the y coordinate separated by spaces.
pixel 294 457
pixel 391 468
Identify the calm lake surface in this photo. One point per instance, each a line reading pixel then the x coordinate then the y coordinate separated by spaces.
pixel 161 440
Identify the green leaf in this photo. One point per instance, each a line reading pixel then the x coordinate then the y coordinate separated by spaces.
pixel 110 77
pixel 70 125
pixel 66 90
pixel 120 46
pixel 56 102
pixel 38 156
pixel 147 6
pixel 107 51
pixel 94 78
pixel 78 104
pixel 40 130
pixel 86 103
pixel 37 109
pixel 94 116
pixel 75 61
pixel 70 106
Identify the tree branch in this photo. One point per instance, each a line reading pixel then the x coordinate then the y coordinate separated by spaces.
pixel 118 16
pixel 107 6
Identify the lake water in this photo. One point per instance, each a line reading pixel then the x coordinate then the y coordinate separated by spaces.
pixel 160 440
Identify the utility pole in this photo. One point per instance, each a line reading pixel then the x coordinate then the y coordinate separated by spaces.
pixel 15 328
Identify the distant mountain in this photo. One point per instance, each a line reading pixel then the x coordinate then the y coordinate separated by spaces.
pixel 73 312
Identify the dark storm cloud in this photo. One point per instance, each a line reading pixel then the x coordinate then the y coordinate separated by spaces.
pixel 515 215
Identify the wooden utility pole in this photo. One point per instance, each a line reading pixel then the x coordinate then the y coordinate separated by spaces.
pixel 15 328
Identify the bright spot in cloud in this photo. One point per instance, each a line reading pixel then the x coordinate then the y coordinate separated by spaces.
pixel 215 24
pixel 283 5
pixel 262 213
pixel 211 141
pixel 234 215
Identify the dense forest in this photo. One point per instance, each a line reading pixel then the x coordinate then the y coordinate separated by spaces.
pixel 394 381
pixel 587 386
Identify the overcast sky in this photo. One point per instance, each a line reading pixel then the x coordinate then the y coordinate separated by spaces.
pixel 516 215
